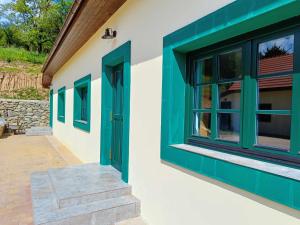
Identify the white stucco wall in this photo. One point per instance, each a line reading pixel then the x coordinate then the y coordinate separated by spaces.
pixel 169 195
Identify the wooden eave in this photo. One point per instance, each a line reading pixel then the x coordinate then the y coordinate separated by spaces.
pixel 83 20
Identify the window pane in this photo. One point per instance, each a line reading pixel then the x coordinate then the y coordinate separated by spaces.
pixel 229 126
pixel 83 96
pixel 61 104
pixel 203 70
pixel 202 124
pixel 276 92
pixel 202 97
pixel 275 132
pixel 229 95
pixel 276 55
pixel 231 65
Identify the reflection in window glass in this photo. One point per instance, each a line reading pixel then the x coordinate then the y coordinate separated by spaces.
pixel 229 95
pixel 229 126
pixel 230 65
pixel 204 71
pixel 276 91
pixel 83 96
pixel 275 133
pixel 276 55
pixel 264 117
pixel 203 97
pixel 202 124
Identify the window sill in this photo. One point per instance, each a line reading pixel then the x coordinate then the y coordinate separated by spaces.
pixel 81 121
pixel 279 170
pixel 61 119
pixel 82 125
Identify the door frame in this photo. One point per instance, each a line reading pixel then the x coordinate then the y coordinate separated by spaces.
pixel 121 55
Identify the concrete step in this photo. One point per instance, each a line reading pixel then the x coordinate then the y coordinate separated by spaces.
pixel 82 195
pixel 132 221
pixel 73 186
pixel 38 131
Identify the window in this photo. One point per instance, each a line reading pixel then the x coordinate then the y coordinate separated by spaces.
pixel 61 101
pixel 242 95
pixel 228 29
pixel 81 118
pixel 224 83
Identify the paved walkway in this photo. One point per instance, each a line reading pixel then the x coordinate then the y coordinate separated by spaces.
pixel 19 157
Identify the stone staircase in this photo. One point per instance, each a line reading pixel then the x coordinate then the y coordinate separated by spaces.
pixel 88 194
pixel 38 131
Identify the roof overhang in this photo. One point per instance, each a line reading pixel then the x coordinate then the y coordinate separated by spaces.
pixel 83 20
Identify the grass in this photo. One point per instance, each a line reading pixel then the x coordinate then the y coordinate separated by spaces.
pixel 18 68
pixel 26 94
pixel 21 55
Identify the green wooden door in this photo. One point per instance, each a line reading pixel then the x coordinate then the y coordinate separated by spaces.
pixel 51 108
pixel 117 117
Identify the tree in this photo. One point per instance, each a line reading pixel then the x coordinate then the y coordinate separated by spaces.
pixel 274 51
pixel 36 22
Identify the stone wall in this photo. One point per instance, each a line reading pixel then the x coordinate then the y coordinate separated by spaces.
pixel 30 113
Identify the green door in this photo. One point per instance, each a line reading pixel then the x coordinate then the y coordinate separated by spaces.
pixel 51 108
pixel 117 117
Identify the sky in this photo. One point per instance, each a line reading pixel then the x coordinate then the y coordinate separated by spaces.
pixel 287 43
pixel 1 2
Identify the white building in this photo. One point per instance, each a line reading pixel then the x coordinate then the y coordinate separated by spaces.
pixel 134 101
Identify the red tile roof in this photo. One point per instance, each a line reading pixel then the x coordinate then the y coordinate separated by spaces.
pixel 272 65
pixel 276 64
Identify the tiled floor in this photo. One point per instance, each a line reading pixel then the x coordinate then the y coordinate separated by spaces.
pixel 19 157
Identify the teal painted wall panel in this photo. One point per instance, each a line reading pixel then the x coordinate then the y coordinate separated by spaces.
pixel 51 108
pixel 240 17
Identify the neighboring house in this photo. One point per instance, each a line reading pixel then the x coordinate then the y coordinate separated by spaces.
pixel 195 102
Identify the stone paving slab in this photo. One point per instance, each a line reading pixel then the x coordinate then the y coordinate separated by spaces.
pixel 20 156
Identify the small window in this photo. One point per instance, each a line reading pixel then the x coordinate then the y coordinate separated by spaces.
pixel 61 104
pixel 82 103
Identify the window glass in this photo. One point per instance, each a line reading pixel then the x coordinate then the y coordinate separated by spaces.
pixel 230 65
pixel 202 124
pixel 204 70
pixel 229 95
pixel 276 56
pixel 83 96
pixel 203 97
pixel 275 91
pixel 229 126
pixel 275 132
pixel 61 104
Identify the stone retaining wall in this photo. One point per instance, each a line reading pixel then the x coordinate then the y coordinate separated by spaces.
pixel 31 113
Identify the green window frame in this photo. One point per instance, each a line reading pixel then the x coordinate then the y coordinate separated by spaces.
pixel 61 104
pixel 82 103
pixel 240 19
pixel 246 115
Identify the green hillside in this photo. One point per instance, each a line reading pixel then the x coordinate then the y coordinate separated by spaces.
pixel 20 74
